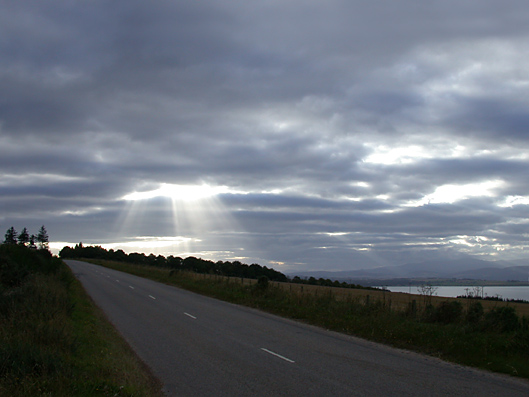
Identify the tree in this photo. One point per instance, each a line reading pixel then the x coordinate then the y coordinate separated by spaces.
pixel 11 236
pixel 42 238
pixel 23 237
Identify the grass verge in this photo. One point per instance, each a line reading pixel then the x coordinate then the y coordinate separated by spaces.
pixel 55 341
pixel 493 338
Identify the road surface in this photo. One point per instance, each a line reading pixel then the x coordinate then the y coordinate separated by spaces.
pixel 198 346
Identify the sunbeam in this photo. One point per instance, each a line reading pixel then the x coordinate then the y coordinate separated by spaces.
pixel 192 218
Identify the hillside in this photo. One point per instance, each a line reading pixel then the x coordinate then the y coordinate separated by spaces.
pixel 465 268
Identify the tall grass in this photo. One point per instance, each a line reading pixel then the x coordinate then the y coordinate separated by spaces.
pixel 54 341
pixel 494 338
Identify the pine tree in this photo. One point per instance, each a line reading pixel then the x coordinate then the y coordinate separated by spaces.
pixel 42 238
pixel 11 236
pixel 23 237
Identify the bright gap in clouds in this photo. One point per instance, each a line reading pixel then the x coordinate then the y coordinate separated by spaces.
pixel 193 214
pixel 409 154
pixel 179 192
pixel 511 201
pixel 149 242
pixel 397 155
pixel 452 193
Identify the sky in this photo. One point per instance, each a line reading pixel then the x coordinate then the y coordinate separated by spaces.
pixel 301 135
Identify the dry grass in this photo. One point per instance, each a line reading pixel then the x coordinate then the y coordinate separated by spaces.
pixel 397 300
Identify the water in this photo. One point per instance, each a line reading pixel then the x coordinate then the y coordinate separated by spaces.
pixel 501 292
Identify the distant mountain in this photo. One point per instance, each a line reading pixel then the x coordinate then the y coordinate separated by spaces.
pixel 463 268
pixel 513 273
pixel 445 268
pixel 514 262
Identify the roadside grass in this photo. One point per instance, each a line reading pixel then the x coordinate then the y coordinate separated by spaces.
pixel 55 341
pixel 487 335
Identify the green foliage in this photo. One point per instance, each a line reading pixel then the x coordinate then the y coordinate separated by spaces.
pixel 428 315
pixel 411 310
pixel 42 238
pixel 23 237
pixel 263 283
pixel 502 319
pixel 16 262
pixel 475 313
pixel 448 312
pixel 12 274
pixel 328 283
pixel 11 236
pixel 52 341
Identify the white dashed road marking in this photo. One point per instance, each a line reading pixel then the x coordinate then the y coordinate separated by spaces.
pixel 277 355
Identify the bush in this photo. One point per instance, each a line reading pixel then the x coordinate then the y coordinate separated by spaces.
pixel 428 315
pixel 475 313
pixel 35 261
pixel 502 319
pixel 448 312
pixel 411 310
pixel 263 282
pixel 12 274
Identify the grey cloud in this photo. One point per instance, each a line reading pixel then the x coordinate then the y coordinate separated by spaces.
pixel 104 99
pixel 462 170
pixel 506 120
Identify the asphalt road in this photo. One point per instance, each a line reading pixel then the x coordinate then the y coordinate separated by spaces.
pixel 198 346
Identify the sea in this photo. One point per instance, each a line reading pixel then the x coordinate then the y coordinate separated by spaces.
pixel 518 292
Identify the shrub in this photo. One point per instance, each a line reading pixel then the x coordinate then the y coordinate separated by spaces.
pixel 39 261
pixel 475 313
pixel 12 274
pixel 428 314
pixel 263 282
pixel 411 310
pixel 502 319
pixel 448 312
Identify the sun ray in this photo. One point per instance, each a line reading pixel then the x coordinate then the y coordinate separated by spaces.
pixel 193 214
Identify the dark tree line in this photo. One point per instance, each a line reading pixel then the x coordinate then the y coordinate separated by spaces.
pixel 326 282
pixel 27 240
pixel 492 298
pixel 197 265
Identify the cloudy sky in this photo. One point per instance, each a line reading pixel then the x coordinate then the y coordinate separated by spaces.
pixel 304 135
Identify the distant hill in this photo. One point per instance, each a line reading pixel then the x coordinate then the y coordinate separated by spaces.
pixel 513 273
pixel 465 268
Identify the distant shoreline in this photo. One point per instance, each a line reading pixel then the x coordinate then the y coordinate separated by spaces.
pixel 506 293
pixel 407 281
pixel 440 282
